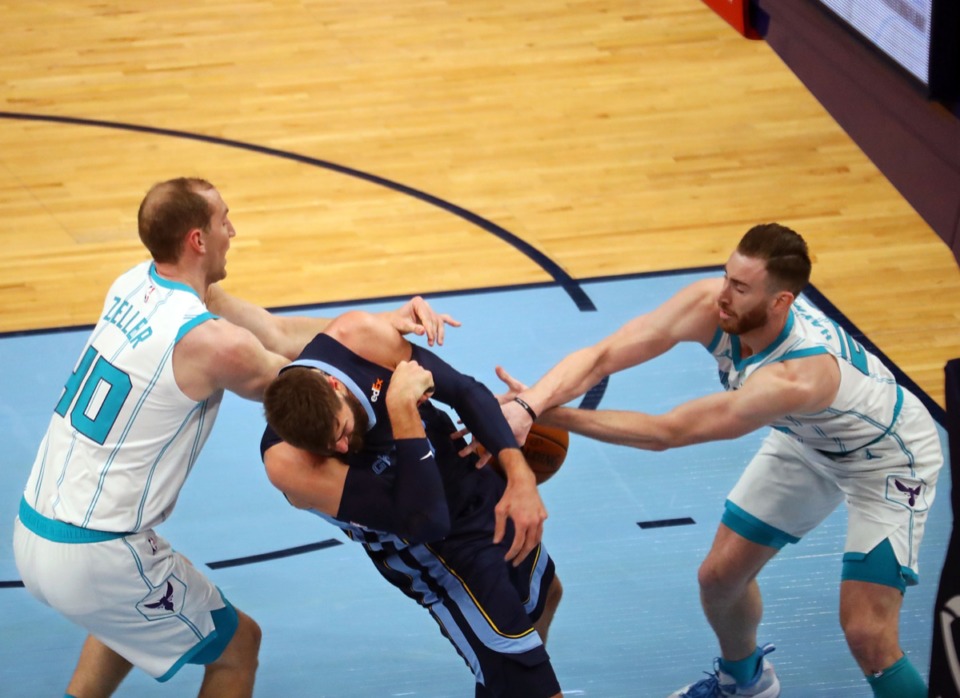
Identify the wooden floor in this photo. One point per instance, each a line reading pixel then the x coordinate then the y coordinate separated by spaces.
pixel 613 137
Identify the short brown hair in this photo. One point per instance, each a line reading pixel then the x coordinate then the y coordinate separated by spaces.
pixel 169 211
pixel 784 251
pixel 302 407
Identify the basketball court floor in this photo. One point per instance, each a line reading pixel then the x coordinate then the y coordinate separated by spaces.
pixel 627 530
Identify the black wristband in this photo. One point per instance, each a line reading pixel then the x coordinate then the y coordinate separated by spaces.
pixel 524 405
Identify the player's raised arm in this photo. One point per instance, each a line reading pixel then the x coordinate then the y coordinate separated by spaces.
pixel 289 334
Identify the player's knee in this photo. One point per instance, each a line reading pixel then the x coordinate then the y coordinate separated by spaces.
pixel 866 639
pixel 254 636
pixel 714 580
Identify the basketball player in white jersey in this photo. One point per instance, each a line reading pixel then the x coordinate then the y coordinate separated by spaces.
pixel 842 430
pixel 124 436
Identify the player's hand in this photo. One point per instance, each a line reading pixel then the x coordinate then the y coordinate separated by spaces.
pixel 514 387
pixel 520 503
pixel 517 417
pixel 417 317
pixel 411 382
pixel 483 455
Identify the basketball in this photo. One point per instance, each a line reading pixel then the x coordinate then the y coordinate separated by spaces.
pixel 545 450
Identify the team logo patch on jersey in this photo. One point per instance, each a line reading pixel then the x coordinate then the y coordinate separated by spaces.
pixel 375 389
pixel 911 492
pixel 165 600
pixel 381 463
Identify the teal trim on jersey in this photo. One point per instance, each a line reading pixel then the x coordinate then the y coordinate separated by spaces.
pixel 209 649
pixel 804 353
pixel 346 380
pixel 59 531
pixel 187 326
pixel 879 566
pixel 167 283
pixel 753 529
pixel 735 351
pixel 717 336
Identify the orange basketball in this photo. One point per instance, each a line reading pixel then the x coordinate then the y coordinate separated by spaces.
pixel 545 450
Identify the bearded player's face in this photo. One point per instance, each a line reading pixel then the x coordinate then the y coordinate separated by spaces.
pixel 744 301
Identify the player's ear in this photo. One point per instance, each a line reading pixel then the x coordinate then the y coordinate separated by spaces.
pixel 194 241
pixel 783 300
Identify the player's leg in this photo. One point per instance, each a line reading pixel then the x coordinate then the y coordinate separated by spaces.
pixel 870 617
pixel 485 606
pixel 99 671
pixel 489 609
pixel 233 672
pixel 777 500
pixel 729 592
pixel 158 612
pixel 554 594
pixel 887 501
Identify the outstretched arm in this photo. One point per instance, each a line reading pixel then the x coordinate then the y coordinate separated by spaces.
pixel 288 335
pixel 690 315
pixel 218 355
pixel 801 386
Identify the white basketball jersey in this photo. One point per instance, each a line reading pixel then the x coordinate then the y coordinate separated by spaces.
pixel 123 437
pixel 867 404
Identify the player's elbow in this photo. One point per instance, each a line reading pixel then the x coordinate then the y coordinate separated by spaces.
pixel 671 433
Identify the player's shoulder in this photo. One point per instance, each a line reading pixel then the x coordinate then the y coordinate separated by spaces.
pixel 212 332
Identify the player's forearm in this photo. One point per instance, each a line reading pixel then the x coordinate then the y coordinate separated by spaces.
pixel 573 376
pixel 636 429
pixel 294 333
pixel 515 467
pixel 414 506
pixel 404 417
pixel 282 335
pixel 419 497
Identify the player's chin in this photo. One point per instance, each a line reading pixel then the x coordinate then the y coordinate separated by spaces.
pixel 729 324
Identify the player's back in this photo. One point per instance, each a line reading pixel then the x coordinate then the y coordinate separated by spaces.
pixel 123 437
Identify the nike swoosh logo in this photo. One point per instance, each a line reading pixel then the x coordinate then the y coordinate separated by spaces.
pixel 429 454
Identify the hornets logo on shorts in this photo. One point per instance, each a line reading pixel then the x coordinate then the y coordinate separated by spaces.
pixel 165 600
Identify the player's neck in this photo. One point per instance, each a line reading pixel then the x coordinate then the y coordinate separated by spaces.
pixel 193 278
pixel 756 341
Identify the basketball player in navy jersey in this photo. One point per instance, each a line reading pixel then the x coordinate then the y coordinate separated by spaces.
pixel 354 437
pixel 843 429
pixel 127 430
